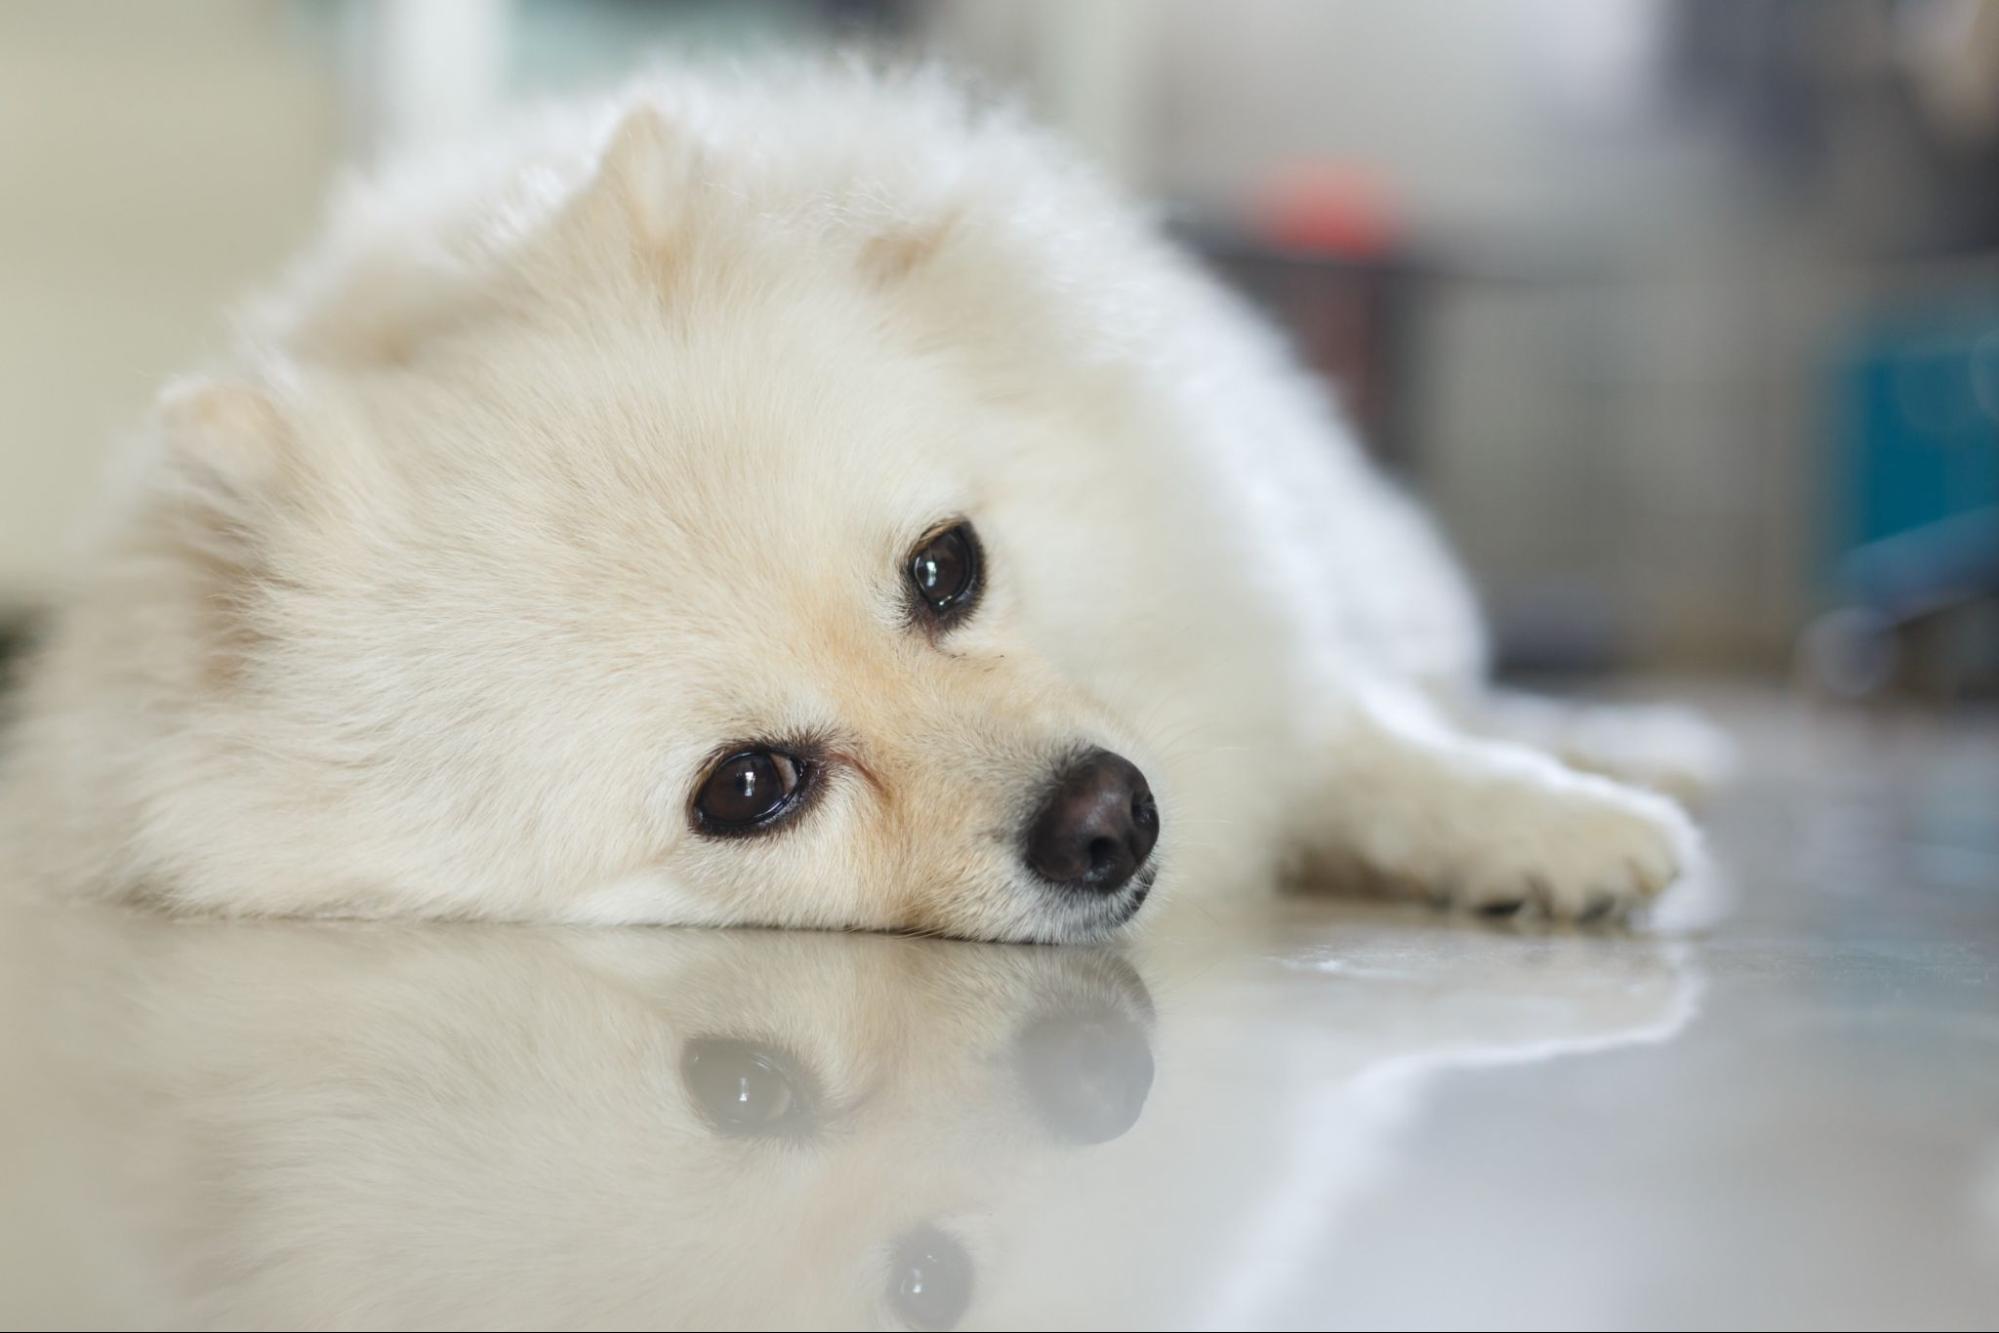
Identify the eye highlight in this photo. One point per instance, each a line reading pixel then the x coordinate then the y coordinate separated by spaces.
pixel 945 574
pixel 751 791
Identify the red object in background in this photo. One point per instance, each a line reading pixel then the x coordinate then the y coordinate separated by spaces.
pixel 1321 247
pixel 1327 209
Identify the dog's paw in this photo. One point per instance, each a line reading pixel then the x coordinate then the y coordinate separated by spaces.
pixel 1588 850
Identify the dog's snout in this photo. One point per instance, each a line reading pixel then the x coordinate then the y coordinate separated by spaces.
pixel 1096 826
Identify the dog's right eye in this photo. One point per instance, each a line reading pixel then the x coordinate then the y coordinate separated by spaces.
pixel 750 791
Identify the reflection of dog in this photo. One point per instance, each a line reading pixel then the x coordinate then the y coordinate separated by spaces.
pixel 1281 1114
pixel 277 1125
pixel 359 1127
pixel 802 501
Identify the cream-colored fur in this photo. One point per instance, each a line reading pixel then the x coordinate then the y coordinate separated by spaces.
pixel 561 462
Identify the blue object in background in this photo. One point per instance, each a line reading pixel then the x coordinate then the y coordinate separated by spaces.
pixel 1916 521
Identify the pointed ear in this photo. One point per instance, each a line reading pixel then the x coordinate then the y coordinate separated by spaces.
pixel 642 181
pixel 226 444
pixel 227 461
pixel 892 255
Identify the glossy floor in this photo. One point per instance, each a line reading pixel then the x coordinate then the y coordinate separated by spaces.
pixel 1293 1113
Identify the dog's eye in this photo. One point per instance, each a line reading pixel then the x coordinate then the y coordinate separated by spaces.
pixel 930 1280
pixel 749 791
pixel 744 1090
pixel 944 570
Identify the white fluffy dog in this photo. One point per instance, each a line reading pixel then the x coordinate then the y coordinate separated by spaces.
pixel 806 499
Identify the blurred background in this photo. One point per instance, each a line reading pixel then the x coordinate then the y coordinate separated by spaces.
pixel 1684 314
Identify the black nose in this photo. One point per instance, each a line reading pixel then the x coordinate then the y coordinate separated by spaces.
pixel 1097 825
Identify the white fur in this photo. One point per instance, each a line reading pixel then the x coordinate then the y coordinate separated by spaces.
pixel 560 462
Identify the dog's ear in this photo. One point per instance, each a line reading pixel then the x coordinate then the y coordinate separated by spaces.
pixel 227 467
pixel 894 253
pixel 227 448
pixel 642 182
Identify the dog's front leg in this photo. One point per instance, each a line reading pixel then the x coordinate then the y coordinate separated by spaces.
pixel 1489 825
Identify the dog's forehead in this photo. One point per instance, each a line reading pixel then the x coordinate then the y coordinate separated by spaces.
pixel 729 481
pixel 781 469
pixel 793 403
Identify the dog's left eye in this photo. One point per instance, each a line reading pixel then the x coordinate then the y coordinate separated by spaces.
pixel 749 791
pixel 944 571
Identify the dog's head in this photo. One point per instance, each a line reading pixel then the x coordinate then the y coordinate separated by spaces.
pixel 665 558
